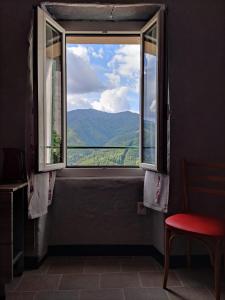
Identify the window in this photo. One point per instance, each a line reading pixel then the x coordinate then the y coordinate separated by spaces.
pixel 51 93
pixel 105 126
pixel 152 94
pixel 103 100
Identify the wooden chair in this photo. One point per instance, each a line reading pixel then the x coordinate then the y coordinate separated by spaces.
pixel 208 179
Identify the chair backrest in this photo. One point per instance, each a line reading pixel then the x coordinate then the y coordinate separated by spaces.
pixel 208 178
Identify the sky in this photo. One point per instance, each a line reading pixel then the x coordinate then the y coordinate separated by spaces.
pixel 103 77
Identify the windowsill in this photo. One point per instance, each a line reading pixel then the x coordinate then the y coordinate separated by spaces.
pixel 101 172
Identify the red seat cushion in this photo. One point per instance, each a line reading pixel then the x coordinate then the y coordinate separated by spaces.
pixel 197 224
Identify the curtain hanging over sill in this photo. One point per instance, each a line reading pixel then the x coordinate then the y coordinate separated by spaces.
pixel 156 191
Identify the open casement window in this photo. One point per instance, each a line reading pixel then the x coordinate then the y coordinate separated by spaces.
pixel 51 93
pixel 152 93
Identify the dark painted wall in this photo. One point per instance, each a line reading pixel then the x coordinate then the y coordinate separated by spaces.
pixel 196 47
pixel 197 90
pixel 98 211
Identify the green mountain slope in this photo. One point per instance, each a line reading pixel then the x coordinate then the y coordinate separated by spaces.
pixel 92 128
pixel 96 128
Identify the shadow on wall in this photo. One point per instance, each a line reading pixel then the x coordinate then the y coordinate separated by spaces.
pixel 1 163
pixel 12 165
pixel 98 211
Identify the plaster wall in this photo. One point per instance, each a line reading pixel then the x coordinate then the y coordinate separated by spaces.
pixel 98 211
pixel 196 52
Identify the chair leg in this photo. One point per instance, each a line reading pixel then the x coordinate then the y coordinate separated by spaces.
pixel 167 255
pixel 189 253
pixel 217 265
pixel 224 255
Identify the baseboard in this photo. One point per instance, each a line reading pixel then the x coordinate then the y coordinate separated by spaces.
pixel 100 250
pixel 176 261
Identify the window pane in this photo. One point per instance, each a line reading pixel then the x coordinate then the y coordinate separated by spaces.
pixel 150 96
pixel 53 113
pixel 102 104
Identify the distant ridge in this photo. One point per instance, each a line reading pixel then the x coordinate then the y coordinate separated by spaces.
pixel 96 128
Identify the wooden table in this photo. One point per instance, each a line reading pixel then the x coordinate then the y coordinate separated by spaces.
pixel 12 199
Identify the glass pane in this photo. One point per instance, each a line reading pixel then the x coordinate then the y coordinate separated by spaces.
pixel 102 103
pixel 150 96
pixel 53 105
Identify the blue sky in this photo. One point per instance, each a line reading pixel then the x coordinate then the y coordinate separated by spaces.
pixel 103 77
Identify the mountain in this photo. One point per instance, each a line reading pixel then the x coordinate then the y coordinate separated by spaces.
pixel 96 128
pixel 92 128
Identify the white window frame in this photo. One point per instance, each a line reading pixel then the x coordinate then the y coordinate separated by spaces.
pixel 158 18
pixel 159 166
pixel 117 37
pixel 42 20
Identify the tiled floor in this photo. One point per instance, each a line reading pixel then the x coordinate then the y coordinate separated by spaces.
pixel 110 278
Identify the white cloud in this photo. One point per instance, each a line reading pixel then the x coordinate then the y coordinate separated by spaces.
pixel 126 66
pixel 121 79
pixel 98 54
pixel 111 100
pixel 114 79
pixel 126 61
pixel 80 51
pixel 81 76
pixel 114 100
pixel 137 85
pixel 77 102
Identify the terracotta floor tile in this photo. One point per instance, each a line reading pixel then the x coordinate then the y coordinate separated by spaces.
pixel 57 295
pixel 102 294
pixel 14 284
pixel 145 294
pixel 140 264
pixel 66 267
pixel 184 293
pixel 111 278
pixel 75 281
pixel 38 282
pixel 20 296
pixel 197 277
pixel 102 267
pixel 119 280
pixel 155 279
pixel 222 292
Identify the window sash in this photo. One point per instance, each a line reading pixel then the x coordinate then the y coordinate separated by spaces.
pixel 159 166
pixel 43 20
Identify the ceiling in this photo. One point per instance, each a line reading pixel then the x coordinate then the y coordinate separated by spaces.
pixel 100 12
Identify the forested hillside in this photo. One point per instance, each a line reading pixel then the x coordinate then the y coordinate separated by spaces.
pixel 92 128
